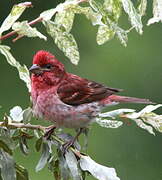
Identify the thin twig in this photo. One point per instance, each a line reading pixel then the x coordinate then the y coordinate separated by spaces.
pixel 35 21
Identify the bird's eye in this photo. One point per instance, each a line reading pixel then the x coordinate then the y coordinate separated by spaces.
pixel 48 66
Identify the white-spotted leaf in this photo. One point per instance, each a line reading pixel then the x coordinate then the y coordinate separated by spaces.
pixel 100 172
pixel 142 7
pixel 16 114
pixel 15 13
pixel 134 17
pixel 23 28
pixel 104 34
pixel 65 41
pixel 73 165
pixel 109 123
pixel 157 12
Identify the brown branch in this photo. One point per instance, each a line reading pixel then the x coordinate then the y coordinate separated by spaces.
pixel 35 21
pixel 22 125
pixel 37 127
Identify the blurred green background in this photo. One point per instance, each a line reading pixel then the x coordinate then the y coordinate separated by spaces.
pixel 137 68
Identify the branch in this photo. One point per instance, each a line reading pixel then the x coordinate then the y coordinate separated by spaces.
pixel 35 21
pixel 38 127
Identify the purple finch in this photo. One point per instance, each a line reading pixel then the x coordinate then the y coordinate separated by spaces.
pixel 66 99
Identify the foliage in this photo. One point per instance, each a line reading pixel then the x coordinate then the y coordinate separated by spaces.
pixel 16 129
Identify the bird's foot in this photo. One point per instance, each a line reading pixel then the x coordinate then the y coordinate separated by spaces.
pixel 67 145
pixel 49 131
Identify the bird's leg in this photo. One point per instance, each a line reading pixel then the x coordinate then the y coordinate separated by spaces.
pixel 70 143
pixel 49 131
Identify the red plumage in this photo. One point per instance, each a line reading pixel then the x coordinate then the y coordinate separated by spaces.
pixel 67 99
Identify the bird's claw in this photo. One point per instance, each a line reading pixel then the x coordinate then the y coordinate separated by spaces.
pixel 49 131
pixel 66 146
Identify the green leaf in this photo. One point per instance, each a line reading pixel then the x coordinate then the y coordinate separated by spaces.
pixel 23 28
pixel 142 7
pixel 72 165
pixel 38 144
pixel 7 166
pixel 157 12
pixel 21 173
pixel 27 115
pixel 44 157
pixel 65 19
pixel 134 17
pixel 15 13
pixel 23 71
pixel 64 41
pixel 104 34
pixel 23 145
pixel 54 168
pixel 98 171
pixel 5 147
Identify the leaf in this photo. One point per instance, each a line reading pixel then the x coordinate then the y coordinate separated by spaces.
pixel 5 147
pixel 146 115
pixel 23 145
pixel 157 12
pixel 64 41
pixel 27 115
pixel 65 19
pixel 54 168
pixel 142 7
pixel 109 123
pixel 115 113
pixel 44 157
pixel 7 166
pixel 16 114
pixel 113 9
pixel 154 120
pixel 21 173
pixel 48 14
pixel 15 13
pixel 23 71
pixel 98 171
pixel 73 165
pixel 142 125
pixel 38 144
pixel 104 34
pixel 134 17
pixel 144 111
pixel 23 28
pixel 94 17
pixel 121 34
pixel 63 166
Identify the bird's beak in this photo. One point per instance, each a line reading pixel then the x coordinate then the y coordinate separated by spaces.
pixel 36 69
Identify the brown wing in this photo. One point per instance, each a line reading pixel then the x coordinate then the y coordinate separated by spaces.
pixel 75 90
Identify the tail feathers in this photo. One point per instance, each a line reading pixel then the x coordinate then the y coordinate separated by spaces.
pixel 126 99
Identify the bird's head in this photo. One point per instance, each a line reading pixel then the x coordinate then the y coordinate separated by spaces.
pixel 47 68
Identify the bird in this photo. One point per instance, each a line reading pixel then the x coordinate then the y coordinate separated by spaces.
pixel 68 100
